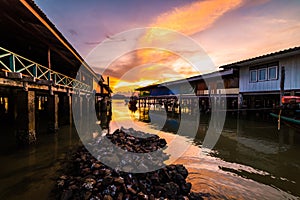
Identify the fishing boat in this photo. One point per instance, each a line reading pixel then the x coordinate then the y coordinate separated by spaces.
pixel 132 103
pixel 289 113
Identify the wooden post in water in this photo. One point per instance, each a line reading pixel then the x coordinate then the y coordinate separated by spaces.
pixel 70 114
pixel 139 103
pixel 26 132
pixel 282 79
pixel 53 101
pixel 179 105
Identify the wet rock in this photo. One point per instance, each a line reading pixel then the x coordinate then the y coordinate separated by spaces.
pixel 182 170
pixel 195 196
pixel 60 183
pixel 73 187
pixel 179 179
pixel 87 195
pixel 107 180
pixel 120 196
pixel 142 196
pixel 67 194
pixel 131 190
pixel 172 189
pixel 186 188
pixel 151 197
pixel 91 179
pixel 107 197
pixel 119 180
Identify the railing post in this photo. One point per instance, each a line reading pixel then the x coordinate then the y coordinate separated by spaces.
pixel 54 78
pixel 34 69
pixel 49 75
pixel 12 63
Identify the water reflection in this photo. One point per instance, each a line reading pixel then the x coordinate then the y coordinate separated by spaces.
pixel 251 159
pixel 29 173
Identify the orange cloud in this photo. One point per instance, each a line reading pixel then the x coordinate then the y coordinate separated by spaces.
pixel 188 20
pixel 195 17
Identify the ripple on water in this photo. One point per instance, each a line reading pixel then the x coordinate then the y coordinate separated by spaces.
pixel 207 176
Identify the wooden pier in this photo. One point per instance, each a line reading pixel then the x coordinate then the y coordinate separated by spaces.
pixel 42 75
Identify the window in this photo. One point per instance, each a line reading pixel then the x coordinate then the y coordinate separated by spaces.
pixel 262 74
pixel 253 75
pixel 272 73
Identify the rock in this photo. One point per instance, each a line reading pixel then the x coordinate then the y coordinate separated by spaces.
pixel 96 165
pixel 87 195
pixel 186 188
pixel 67 194
pixel 182 170
pixel 151 197
pixel 120 196
pixel 119 180
pixel 172 189
pixel 91 179
pixel 194 196
pixel 107 197
pixel 179 179
pixel 63 177
pixel 60 183
pixel 73 187
pixel 107 180
pixel 131 190
pixel 142 196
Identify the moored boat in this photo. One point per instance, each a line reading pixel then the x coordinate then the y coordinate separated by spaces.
pixel 289 113
pixel 289 121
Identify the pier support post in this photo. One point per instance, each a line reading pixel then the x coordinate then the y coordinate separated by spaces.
pixel 25 119
pixel 53 101
pixel 70 114
pixel 86 108
pixel 79 107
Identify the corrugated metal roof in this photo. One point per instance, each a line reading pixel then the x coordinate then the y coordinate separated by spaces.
pixel 266 57
pixel 190 79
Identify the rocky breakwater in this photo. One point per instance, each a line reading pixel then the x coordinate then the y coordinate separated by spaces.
pixel 90 177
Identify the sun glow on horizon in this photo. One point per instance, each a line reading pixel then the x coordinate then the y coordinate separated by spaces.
pixel 209 22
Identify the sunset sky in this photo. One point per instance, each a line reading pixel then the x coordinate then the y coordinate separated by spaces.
pixel 193 37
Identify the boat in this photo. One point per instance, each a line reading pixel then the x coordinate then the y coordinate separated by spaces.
pixel 132 103
pixel 289 121
pixel 290 99
pixel 289 113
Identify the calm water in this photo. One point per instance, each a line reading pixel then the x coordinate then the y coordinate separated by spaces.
pixel 30 173
pixel 251 159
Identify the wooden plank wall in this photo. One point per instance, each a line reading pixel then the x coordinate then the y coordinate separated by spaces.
pixel 292 77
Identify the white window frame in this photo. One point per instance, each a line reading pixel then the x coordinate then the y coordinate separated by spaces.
pixel 276 70
pixel 253 70
pixel 266 76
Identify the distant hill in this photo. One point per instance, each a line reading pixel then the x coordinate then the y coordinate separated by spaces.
pixel 119 96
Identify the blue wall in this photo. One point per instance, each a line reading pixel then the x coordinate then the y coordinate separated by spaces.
pixel 292 77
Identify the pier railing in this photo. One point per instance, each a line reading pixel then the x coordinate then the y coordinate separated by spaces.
pixel 13 62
